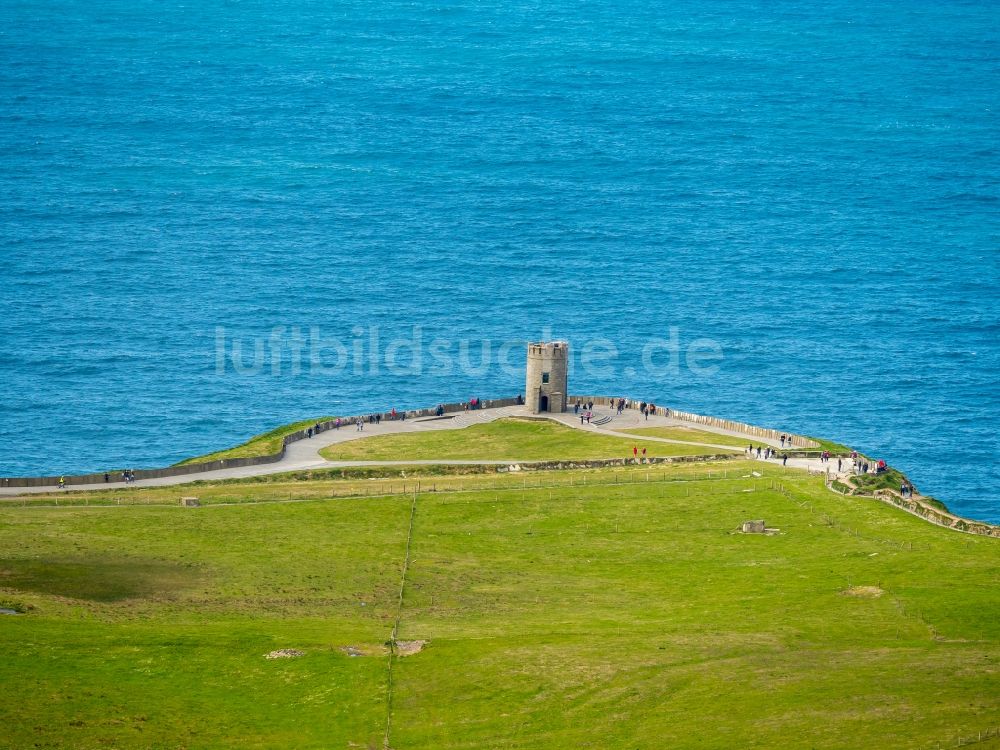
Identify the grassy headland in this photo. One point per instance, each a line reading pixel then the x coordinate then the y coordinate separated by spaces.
pixel 504 439
pixel 690 434
pixel 265 444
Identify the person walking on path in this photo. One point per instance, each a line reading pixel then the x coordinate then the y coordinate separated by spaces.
pixel 62 483
pixel 784 459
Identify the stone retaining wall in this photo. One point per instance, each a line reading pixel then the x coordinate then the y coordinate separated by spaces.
pixel 726 424
pixel 937 516
pixel 231 463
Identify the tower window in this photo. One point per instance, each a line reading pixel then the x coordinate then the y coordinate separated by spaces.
pixel 545 377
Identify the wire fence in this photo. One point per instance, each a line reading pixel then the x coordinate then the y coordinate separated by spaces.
pixel 963 740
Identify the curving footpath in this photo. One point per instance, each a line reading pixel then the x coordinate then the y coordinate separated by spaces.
pixel 304 454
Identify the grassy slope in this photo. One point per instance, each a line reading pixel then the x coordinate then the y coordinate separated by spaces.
pixel 836 449
pixel 513 439
pixel 265 444
pixel 600 615
pixel 631 617
pixel 161 642
pixel 690 434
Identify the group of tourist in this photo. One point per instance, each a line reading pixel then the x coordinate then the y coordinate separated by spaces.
pixel 618 404
pixel 360 421
pixel 765 453
pixel 376 419
pixel 859 465
pixel 585 409
pixel 127 475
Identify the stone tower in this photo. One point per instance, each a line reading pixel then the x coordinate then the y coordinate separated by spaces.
pixel 548 366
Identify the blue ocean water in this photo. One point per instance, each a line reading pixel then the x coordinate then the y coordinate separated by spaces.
pixel 811 186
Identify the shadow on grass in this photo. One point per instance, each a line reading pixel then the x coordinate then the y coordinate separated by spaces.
pixel 94 579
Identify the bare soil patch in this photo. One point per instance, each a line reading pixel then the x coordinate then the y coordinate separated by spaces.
pixel 285 653
pixel 409 648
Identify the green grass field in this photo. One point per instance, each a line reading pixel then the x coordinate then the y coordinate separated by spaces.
pixel 836 449
pixel 504 439
pixel 691 435
pixel 574 609
pixel 265 444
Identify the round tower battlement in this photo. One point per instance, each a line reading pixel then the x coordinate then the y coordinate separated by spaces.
pixel 547 377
